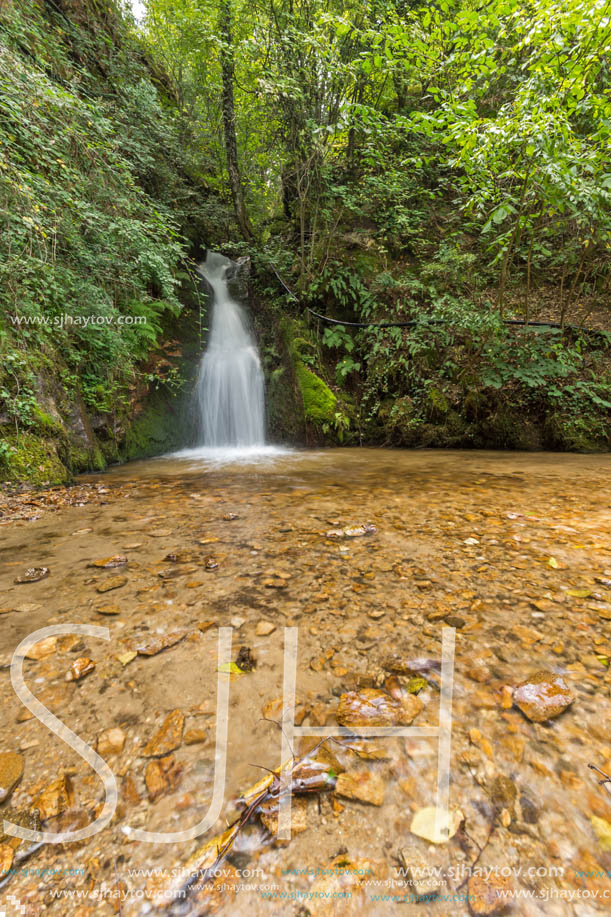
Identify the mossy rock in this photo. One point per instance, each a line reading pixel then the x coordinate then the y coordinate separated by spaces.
pixel 319 402
pixel 32 458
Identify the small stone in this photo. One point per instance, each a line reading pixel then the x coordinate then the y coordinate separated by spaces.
pixel 455 621
pixel 124 658
pixel 237 622
pixel 55 798
pixel 487 895
pixel 161 776
pixel 376 614
pixel 195 736
pixel 203 626
pixel 265 628
pixel 42 648
pixel 32 575
pixel 108 610
pixel 113 582
pixel 107 563
pixel 160 533
pixel 111 742
pixel 371 707
pixel 162 642
pixel 229 517
pixel 11 770
pixel 6 858
pixel 424 824
pixel 129 791
pixel 167 738
pixel 362 786
pixel 543 696
pixel 79 668
pixel 268 813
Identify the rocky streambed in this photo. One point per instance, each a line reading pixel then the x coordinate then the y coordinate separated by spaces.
pixel 370 554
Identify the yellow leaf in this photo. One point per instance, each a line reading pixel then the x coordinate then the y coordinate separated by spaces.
pixel 579 593
pixel 553 563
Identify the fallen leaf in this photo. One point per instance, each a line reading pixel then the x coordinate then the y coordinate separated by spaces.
pixel 424 824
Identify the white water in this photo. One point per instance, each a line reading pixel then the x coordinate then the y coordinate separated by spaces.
pixel 230 387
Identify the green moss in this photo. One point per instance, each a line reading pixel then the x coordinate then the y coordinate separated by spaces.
pixel 33 459
pixel 44 422
pixel 319 402
pixel 153 432
pixel 437 404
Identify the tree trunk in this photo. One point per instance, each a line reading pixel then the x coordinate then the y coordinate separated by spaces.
pixel 231 144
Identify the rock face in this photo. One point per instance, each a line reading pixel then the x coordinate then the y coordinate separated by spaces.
pixel 543 696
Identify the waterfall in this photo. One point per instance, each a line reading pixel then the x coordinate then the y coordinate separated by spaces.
pixel 230 387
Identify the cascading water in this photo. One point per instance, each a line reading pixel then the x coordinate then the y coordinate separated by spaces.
pixel 230 387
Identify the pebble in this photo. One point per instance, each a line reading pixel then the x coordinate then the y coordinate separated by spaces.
pixel 111 742
pixel 484 895
pixel 114 582
pixel 543 696
pixel 167 738
pixel 362 786
pixel 265 628
pixel 371 707
pixel 79 668
pixel 11 770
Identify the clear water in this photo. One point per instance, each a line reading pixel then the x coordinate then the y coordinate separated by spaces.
pixel 230 387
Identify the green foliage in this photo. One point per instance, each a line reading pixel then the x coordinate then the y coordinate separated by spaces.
pixel 95 194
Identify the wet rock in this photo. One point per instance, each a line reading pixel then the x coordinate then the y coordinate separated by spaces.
pixel 55 798
pixel 245 659
pixel 25 818
pixel 11 770
pixel 125 658
pixel 114 582
pixel 79 668
pixel 42 649
pixel 229 517
pixel 108 610
pixel 32 575
pixel 455 621
pixel 268 813
pixel 162 775
pixel 543 696
pixel 237 622
pixel 111 742
pixel 485 894
pixel 167 738
pixel 503 793
pixel 265 628
pixel 602 830
pixel 195 736
pixel 162 642
pixel 180 557
pixel 107 563
pixel 370 707
pixel 160 533
pixel 211 563
pixel 129 791
pixel 362 786
pixel 424 824
pixel 530 811
pixel 6 858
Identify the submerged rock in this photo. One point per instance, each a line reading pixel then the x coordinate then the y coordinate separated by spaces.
pixel 79 668
pixel 167 738
pixel 11 770
pixel 362 786
pixel 487 895
pixel 370 707
pixel 32 575
pixel 543 696
pixel 111 742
